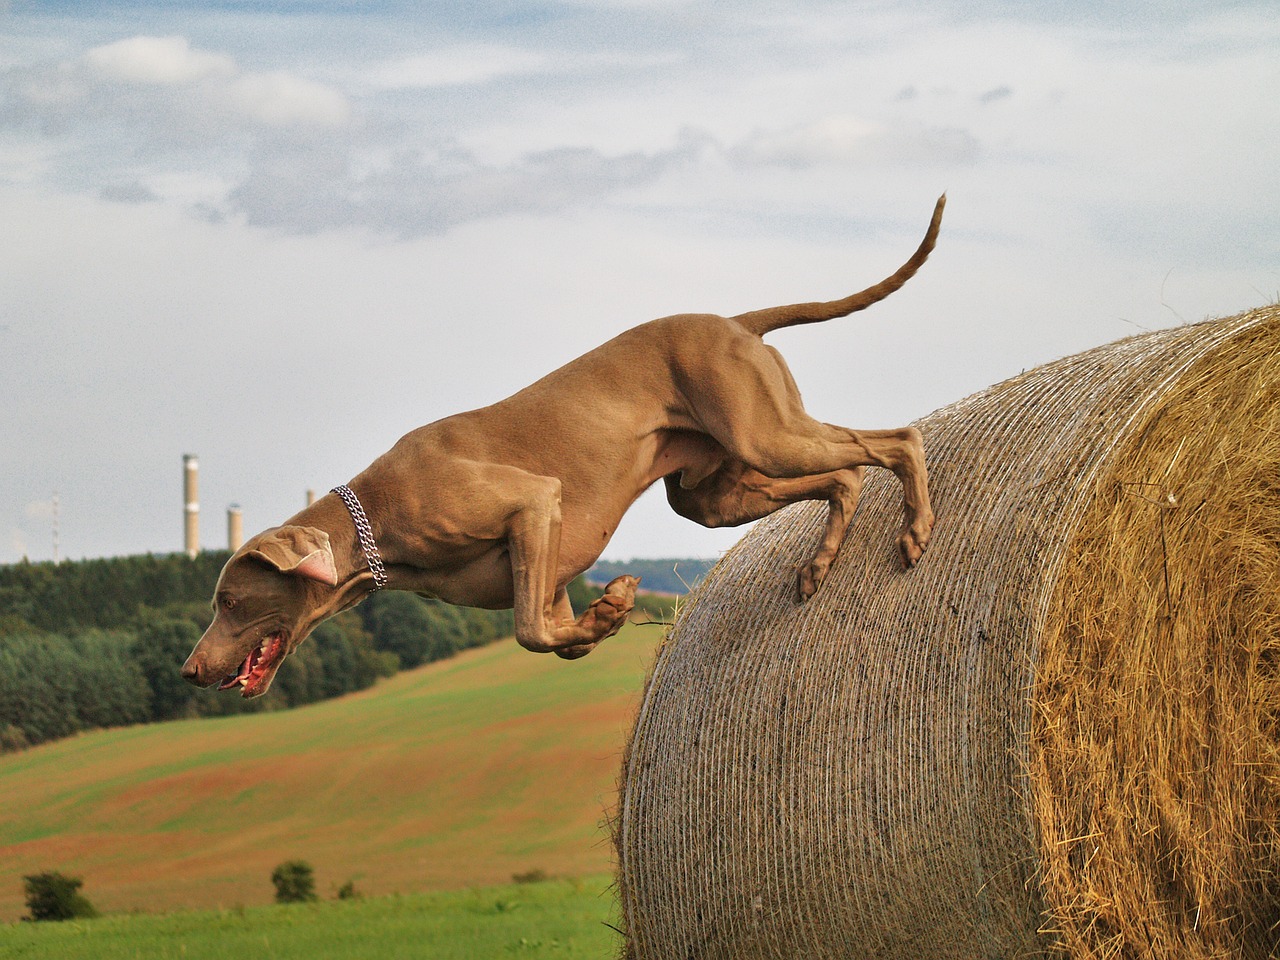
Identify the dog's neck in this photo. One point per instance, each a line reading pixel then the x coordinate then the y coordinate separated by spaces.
pixel 355 580
pixel 364 534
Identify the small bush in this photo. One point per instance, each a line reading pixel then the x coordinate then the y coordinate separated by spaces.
pixel 536 875
pixel 13 739
pixel 54 896
pixel 295 882
pixel 348 891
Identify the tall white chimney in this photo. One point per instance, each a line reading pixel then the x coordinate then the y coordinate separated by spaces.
pixel 191 497
pixel 235 528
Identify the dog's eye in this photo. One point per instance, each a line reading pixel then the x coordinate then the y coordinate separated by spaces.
pixel 228 603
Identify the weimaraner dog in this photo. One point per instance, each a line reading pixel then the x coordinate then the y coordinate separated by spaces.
pixel 503 506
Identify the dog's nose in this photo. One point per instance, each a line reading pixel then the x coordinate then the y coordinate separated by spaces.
pixel 192 669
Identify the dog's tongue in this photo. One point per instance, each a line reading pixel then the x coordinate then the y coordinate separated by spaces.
pixel 257 664
pixel 245 669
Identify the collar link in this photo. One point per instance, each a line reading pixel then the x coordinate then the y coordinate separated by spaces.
pixel 364 533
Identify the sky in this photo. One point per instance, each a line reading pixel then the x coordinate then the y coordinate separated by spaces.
pixel 281 235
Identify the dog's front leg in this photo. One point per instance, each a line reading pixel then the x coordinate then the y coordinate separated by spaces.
pixel 543 614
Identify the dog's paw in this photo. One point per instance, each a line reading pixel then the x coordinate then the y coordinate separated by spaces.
pixel 623 586
pixel 809 578
pixel 914 539
pixel 606 615
pixel 575 653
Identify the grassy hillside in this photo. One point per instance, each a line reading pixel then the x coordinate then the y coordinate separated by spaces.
pixel 459 773
pixel 557 921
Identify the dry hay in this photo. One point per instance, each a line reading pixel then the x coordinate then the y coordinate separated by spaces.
pixel 1057 736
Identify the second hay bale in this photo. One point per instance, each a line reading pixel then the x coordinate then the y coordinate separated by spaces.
pixel 1058 733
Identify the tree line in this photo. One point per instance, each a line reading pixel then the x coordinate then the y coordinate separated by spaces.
pixel 99 643
pixel 670 576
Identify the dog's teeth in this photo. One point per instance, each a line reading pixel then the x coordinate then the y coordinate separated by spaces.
pixel 244 681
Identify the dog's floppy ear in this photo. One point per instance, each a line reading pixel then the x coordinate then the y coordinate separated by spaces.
pixel 300 551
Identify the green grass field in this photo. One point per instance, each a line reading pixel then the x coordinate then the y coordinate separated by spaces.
pixel 553 920
pixel 459 774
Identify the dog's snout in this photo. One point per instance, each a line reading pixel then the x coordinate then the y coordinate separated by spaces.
pixel 193 670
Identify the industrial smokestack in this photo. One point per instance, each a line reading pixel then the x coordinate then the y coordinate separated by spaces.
pixel 235 528
pixel 190 486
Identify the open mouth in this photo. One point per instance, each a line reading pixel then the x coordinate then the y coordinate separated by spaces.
pixel 257 667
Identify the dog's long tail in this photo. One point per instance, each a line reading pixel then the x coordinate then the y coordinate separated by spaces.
pixel 761 322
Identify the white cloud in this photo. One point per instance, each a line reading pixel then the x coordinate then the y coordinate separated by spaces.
pixel 128 192
pixel 176 93
pixel 49 89
pixel 280 99
pixel 847 139
pixel 157 61
pixel 827 140
pixel 412 193
pixel 471 64
pixel 455 66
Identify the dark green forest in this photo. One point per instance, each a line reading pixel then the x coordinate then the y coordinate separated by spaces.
pixel 98 643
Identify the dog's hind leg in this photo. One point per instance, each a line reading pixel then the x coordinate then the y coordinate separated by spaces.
pixel 735 494
pixel 824 447
pixel 746 399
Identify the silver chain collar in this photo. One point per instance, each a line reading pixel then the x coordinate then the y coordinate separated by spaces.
pixel 364 533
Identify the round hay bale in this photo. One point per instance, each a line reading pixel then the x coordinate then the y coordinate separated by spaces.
pixel 1057 734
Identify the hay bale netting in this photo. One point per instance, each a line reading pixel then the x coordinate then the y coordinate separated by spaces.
pixel 1058 733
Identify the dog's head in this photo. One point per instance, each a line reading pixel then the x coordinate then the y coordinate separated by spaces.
pixel 270 596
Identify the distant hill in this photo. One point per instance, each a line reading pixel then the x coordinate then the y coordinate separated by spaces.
pixel 673 576
pixel 462 772
pixel 98 643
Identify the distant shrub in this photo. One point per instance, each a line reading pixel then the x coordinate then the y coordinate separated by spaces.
pixel 348 891
pixel 295 882
pixel 12 739
pixel 54 896
pixel 536 875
